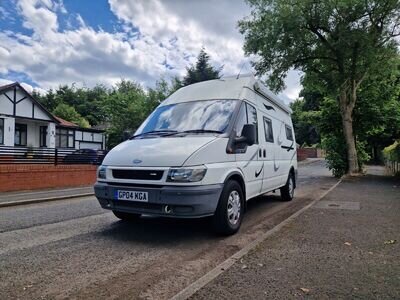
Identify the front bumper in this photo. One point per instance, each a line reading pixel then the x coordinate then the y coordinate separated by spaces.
pixel 181 201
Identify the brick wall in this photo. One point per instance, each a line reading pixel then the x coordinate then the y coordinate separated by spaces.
pixel 301 155
pixel 31 177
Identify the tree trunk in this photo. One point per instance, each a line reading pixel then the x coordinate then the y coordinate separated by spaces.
pixel 346 108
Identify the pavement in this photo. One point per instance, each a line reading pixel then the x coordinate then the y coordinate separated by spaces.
pixel 347 245
pixel 29 197
pixel 73 248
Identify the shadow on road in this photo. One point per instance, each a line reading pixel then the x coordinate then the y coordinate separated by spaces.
pixel 159 230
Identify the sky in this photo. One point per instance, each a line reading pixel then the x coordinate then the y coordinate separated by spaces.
pixel 45 43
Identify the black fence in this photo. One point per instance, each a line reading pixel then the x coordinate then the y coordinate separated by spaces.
pixel 32 155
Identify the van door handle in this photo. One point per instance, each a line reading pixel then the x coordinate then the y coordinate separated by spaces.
pixel 260 152
pixel 265 153
pixel 288 148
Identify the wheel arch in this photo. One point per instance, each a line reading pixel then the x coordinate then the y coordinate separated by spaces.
pixel 237 176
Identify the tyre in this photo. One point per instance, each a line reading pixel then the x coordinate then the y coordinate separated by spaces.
pixel 229 213
pixel 126 216
pixel 287 191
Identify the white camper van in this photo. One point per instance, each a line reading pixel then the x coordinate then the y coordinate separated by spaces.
pixel 204 151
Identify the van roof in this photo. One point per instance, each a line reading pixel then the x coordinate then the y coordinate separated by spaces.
pixel 224 88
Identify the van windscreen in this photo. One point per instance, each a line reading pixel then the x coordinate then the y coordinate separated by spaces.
pixel 208 115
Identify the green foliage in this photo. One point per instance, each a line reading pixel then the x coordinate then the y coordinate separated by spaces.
pixel 335 148
pixel 336 154
pixel 305 123
pixel 333 139
pixel 392 152
pixel 336 40
pixel 127 106
pixel 362 155
pixel 201 71
pixel 86 101
pixel 69 113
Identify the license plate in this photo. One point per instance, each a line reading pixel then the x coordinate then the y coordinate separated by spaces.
pixel 132 196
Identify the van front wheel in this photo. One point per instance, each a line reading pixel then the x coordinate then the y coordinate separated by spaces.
pixel 229 213
pixel 287 191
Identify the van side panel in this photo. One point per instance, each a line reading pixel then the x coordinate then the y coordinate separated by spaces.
pixel 280 153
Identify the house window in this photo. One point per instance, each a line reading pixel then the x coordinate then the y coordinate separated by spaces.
pixel 20 134
pixel 43 136
pixel 269 134
pixel 64 138
pixel 289 133
pixel 1 131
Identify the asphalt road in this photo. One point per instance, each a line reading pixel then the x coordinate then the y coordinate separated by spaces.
pixel 74 249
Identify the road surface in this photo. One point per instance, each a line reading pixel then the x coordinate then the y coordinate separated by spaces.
pixel 74 249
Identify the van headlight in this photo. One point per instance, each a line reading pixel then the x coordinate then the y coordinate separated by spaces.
pixel 101 172
pixel 186 174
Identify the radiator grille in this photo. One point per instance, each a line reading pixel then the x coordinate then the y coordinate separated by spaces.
pixel 138 174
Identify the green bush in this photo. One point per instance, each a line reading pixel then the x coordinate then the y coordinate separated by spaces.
pixel 336 154
pixel 392 152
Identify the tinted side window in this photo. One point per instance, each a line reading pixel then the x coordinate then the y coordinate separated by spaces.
pixel 247 115
pixel 289 133
pixel 252 118
pixel 241 120
pixel 269 134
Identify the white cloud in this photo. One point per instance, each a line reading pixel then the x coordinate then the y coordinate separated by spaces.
pixel 38 17
pixel 26 86
pixel 154 33
pixel 183 27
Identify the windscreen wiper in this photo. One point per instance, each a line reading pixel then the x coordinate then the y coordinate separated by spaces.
pixel 196 131
pixel 166 131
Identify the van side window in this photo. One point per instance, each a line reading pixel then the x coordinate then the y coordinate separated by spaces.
pixel 269 134
pixel 252 118
pixel 289 133
pixel 247 115
pixel 241 120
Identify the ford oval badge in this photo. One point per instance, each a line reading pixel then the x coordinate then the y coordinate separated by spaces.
pixel 137 161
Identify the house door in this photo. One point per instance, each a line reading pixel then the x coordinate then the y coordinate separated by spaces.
pixel 43 136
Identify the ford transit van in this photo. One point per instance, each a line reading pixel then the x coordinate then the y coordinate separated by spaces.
pixel 204 151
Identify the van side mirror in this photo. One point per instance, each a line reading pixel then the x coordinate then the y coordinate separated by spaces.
pixel 248 136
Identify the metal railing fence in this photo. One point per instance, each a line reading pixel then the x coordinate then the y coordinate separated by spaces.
pixel 55 156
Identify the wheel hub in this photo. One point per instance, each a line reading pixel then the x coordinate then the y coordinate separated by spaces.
pixel 234 207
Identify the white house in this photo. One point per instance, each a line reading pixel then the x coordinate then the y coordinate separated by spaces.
pixel 24 122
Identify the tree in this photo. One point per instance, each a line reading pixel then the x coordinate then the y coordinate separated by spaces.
pixel 90 104
pixel 48 100
pixel 127 106
pixel 201 71
pixel 69 113
pixel 339 43
pixel 376 117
